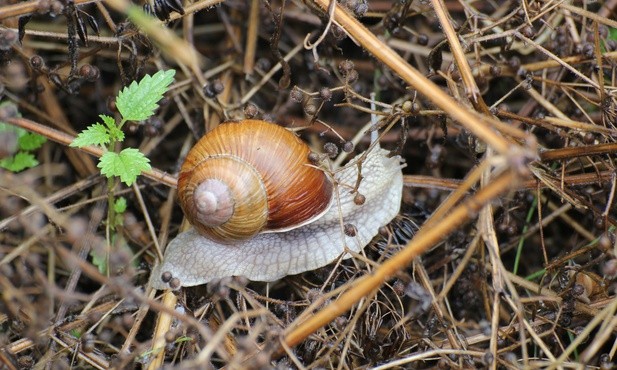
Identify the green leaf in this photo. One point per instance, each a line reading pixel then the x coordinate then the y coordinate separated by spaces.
pixel 120 205
pixel 19 162
pixel 99 259
pixel 95 134
pixel 114 132
pixel 138 101
pixel 128 164
pixel 30 141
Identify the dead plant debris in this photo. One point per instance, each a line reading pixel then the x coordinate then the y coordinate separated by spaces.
pixel 503 255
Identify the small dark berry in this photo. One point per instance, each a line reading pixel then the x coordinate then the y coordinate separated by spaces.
pixel 314 158
pixel 37 63
pixel 166 276
pixel 89 72
pixel 359 199
pixel 175 283
pixel 350 230
pixel 251 111
pixel 212 89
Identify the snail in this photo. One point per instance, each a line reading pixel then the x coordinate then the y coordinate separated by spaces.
pixel 261 210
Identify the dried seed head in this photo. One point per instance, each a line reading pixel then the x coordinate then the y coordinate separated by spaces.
pixel 8 38
pixel 250 110
pixel 331 149
pixel 325 94
pixel 360 9
pixel 350 230
pixel 588 50
pixel 337 32
pixel 345 67
pixel 348 147
pixel 310 109
pixel 577 290
pixel 528 31
pixel 352 76
pixel 56 8
pixel 212 89
pixel 296 95
pixel 359 199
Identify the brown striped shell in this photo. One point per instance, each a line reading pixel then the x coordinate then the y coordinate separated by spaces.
pixel 244 178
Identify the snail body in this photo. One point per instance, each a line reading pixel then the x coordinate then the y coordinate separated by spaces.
pixel 195 257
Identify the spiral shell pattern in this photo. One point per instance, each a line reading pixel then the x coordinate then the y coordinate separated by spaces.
pixel 241 179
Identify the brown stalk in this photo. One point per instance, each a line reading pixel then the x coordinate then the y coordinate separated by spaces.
pixel 251 38
pixel 459 56
pixel 579 151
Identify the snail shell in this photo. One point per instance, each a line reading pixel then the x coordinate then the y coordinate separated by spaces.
pixel 244 178
pixel 194 259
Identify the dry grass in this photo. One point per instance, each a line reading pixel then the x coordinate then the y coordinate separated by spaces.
pixel 504 253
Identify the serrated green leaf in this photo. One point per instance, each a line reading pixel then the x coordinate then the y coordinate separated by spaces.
pixel 114 132
pixel 95 134
pixel 30 141
pixel 110 122
pixel 128 164
pixel 19 162
pixel 138 101
pixel 120 205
